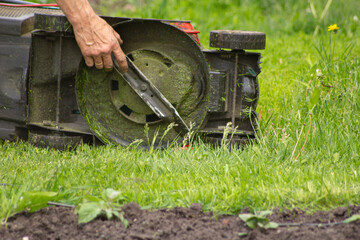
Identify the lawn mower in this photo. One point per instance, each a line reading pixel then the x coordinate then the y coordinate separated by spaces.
pixel 174 85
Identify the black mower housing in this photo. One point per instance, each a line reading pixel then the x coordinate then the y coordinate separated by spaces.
pixel 38 51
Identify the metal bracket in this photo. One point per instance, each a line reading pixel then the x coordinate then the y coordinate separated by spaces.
pixel 219 93
pixel 150 94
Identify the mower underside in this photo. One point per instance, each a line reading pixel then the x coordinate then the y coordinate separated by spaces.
pixel 50 97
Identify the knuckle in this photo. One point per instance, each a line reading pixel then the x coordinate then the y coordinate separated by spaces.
pixel 95 54
pixel 105 49
pixel 122 59
pixel 86 53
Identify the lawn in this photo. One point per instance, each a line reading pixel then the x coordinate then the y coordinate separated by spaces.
pixel 306 154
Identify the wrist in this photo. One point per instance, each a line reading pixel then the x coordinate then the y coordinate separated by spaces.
pixel 79 12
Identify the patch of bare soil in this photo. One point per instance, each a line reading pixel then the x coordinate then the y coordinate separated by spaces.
pixel 177 223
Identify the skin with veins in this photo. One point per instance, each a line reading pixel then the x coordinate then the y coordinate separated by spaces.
pixel 96 38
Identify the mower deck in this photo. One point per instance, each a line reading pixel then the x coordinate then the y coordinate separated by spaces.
pixel 48 93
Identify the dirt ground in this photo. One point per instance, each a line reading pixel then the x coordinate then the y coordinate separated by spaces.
pixel 177 223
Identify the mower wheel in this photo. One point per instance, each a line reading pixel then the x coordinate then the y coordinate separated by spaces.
pixel 237 40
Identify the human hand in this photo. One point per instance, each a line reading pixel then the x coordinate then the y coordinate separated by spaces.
pixel 97 40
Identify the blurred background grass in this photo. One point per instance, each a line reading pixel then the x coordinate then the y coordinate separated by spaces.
pixel 271 16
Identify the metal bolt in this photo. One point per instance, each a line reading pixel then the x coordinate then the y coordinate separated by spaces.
pixel 143 87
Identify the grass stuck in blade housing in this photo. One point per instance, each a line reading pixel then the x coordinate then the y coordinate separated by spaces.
pixel 306 154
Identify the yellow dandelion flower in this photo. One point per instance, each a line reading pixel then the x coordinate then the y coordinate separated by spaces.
pixel 333 27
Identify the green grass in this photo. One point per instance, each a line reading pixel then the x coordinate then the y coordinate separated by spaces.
pixel 308 151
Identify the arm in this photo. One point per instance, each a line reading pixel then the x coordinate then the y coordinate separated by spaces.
pixel 96 39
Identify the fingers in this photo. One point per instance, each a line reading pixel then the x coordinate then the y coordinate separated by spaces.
pixel 105 61
pixel 119 54
pixel 98 53
pixel 108 63
pixel 98 62
pixel 117 36
pixel 89 61
pixel 120 58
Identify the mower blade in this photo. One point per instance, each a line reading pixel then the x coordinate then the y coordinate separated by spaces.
pixel 150 94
